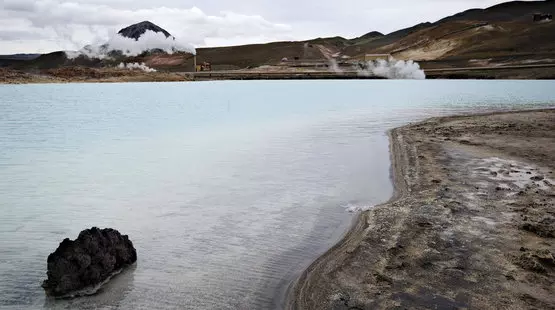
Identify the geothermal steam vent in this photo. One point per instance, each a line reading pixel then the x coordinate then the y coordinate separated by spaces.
pixel 80 267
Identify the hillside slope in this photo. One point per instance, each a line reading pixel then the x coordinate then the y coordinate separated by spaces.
pixel 504 30
pixel 499 34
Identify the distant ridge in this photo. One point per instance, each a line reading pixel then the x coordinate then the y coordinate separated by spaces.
pixel 503 12
pixel 20 56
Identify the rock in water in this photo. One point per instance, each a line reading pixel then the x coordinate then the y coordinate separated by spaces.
pixel 89 261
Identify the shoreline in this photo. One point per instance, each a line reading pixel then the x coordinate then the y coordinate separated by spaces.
pixel 77 74
pixel 391 257
pixel 66 75
pixel 296 289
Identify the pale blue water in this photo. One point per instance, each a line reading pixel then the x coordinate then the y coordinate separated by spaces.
pixel 227 189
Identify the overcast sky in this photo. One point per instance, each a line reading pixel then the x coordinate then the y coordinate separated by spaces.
pixel 50 25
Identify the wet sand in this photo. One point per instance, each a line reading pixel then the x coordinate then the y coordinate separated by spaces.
pixel 471 223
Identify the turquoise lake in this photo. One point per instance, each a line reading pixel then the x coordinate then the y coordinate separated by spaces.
pixel 227 189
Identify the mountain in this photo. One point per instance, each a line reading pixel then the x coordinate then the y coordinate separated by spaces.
pixel 136 30
pixel 8 60
pixel 20 56
pixel 501 34
pixel 504 12
pixel 507 30
pixel 370 35
pixel 360 47
pixel 498 35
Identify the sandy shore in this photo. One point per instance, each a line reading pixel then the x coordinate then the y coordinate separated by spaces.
pixel 470 226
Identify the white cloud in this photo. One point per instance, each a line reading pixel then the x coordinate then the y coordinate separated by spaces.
pixel 71 25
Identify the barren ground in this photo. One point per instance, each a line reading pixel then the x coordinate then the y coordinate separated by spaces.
pixel 86 75
pixel 471 224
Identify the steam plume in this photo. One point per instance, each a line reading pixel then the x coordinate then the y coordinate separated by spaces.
pixel 136 66
pixel 334 67
pixel 149 40
pixel 393 69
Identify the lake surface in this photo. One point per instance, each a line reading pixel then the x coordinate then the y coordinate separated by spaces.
pixel 228 189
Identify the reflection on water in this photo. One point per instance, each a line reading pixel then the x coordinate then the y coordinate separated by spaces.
pixel 227 189
pixel 110 296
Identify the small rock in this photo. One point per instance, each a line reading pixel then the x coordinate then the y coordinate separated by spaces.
pixel 529 261
pixel 544 228
pixel 424 224
pixel 537 178
pixel 545 257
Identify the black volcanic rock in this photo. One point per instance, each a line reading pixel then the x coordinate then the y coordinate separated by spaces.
pixel 136 30
pixel 87 262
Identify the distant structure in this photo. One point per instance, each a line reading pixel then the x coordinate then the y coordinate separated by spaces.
pixel 539 17
pixel 205 66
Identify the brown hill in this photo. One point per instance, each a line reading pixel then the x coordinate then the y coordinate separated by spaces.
pixel 504 30
pixel 505 33
pixel 505 12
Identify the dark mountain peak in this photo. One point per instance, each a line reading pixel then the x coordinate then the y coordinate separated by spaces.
pixel 136 30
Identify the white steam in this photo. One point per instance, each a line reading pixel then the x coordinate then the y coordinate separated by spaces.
pixel 136 66
pixel 149 40
pixel 334 66
pixel 393 69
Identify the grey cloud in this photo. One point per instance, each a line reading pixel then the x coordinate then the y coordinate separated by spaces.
pixel 9 35
pixel 19 6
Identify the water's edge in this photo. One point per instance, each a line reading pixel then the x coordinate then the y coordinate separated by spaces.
pixel 399 164
pixel 295 288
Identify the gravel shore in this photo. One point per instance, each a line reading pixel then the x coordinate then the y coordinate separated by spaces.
pixel 471 223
